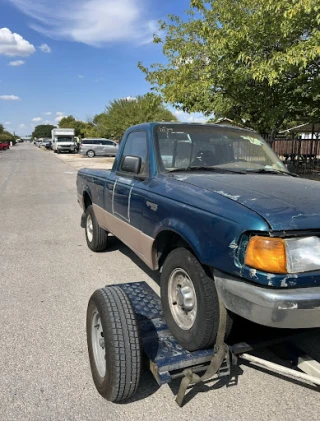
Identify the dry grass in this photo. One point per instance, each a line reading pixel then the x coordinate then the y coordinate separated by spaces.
pixel 79 161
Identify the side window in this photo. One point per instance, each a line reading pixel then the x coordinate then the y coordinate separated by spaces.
pixel 96 142
pixel 136 145
pixel 107 142
pixel 85 142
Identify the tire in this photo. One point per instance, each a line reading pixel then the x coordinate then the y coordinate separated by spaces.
pixel 4 148
pixel 58 151
pixel 192 317
pixel 91 154
pixel 115 367
pixel 54 151
pixel 97 238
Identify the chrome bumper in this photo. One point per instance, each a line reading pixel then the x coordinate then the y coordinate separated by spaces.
pixel 283 308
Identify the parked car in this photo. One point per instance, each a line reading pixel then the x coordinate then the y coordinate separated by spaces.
pixel 4 146
pixel 46 143
pixel 98 147
pixel 214 210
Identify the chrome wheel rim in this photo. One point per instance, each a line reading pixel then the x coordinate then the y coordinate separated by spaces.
pixel 90 154
pixel 182 299
pixel 89 228
pixel 98 344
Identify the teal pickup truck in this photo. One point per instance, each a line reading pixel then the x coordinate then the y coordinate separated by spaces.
pixel 214 210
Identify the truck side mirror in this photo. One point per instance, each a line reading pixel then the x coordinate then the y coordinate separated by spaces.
pixel 131 164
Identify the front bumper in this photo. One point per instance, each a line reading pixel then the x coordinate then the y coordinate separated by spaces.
pixel 283 308
pixel 65 148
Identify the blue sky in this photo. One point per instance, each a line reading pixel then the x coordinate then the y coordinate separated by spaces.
pixel 61 57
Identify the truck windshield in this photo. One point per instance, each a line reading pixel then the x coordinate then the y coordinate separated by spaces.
pixel 65 139
pixel 185 146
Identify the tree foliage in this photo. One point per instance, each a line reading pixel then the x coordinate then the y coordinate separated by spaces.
pixel 82 129
pixel 256 61
pixel 43 130
pixel 120 114
pixel 5 136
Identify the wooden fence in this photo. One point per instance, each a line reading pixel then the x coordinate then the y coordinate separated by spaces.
pixel 301 155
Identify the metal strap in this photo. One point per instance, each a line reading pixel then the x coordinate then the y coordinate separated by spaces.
pixel 220 350
pixel 220 347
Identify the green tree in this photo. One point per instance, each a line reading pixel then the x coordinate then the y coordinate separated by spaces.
pixel 5 136
pixel 43 130
pixel 67 122
pixel 81 127
pixel 253 61
pixel 120 114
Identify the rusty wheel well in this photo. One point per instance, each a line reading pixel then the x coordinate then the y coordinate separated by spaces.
pixel 86 200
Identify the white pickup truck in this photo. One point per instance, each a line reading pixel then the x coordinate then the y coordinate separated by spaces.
pixel 64 140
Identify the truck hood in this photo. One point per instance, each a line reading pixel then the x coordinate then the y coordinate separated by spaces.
pixel 286 203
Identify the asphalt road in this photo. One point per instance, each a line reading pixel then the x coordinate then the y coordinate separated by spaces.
pixel 47 275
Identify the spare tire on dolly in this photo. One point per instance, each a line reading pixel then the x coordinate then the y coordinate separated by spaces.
pixel 113 344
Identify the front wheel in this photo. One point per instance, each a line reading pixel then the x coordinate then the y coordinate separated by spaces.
pixel 190 301
pixel 97 238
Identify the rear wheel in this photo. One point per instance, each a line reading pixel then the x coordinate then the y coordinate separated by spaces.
pixel 113 344
pixel 5 148
pixel 190 301
pixel 97 238
pixel 90 154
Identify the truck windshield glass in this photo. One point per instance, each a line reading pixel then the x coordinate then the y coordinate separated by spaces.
pixel 184 146
pixel 65 139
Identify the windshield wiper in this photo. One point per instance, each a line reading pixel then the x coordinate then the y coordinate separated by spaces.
pixel 266 171
pixel 203 168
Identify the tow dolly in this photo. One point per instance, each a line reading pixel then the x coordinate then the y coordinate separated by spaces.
pixel 125 321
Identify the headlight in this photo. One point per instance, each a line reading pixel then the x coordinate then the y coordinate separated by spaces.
pixel 277 255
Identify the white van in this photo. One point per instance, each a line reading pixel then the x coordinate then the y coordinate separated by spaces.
pixel 99 147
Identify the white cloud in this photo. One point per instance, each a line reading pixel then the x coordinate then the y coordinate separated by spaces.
pixel 36 119
pixel 80 76
pixel 190 117
pixel 45 48
pixel 59 118
pixel 59 113
pixel 48 113
pixel 7 123
pixel 130 98
pixel 22 126
pixel 47 122
pixel 94 22
pixel 9 97
pixel 16 63
pixel 12 44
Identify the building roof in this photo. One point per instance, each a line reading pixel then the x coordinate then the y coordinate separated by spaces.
pixel 304 128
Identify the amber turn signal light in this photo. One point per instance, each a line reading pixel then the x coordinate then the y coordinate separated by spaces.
pixel 267 254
